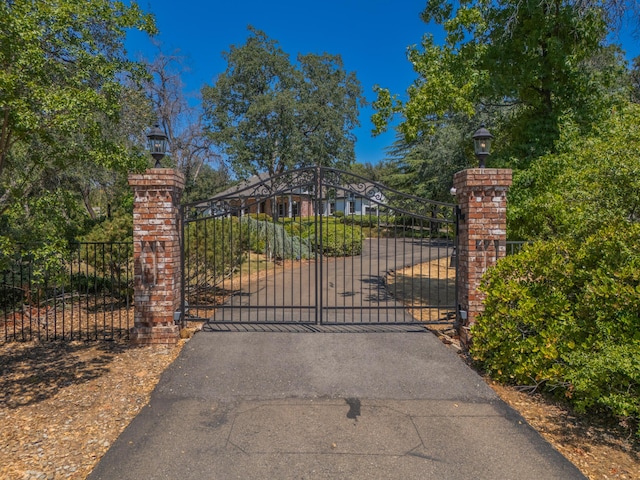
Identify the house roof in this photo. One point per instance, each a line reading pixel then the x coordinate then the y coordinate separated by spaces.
pixel 253 181
pixel 246 186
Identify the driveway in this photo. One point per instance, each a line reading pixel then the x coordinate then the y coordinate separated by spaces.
pixel 375 403
pixel 353 288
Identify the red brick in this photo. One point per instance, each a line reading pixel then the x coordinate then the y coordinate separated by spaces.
pixel 481 196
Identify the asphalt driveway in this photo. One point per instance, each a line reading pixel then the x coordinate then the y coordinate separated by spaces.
pixel 339 402
pixel 352 288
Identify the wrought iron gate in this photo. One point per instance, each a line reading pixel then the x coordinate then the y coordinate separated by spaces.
pixel 318 246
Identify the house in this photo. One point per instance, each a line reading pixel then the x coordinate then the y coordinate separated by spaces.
pixel 350 202
pixel 275 197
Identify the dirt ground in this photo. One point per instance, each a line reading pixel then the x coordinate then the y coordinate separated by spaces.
pixel 599 449
pixel 62 405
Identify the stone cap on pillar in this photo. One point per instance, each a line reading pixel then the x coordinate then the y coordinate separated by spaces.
pixel 483 177
pixel 158 177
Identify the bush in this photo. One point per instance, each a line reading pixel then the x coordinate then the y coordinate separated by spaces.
pixel 275 239
pixel 262 217
pixel 361 220
pixel 340 241
pixel 338 214
pixel 294 229
pixel 213 248
pixel 564 316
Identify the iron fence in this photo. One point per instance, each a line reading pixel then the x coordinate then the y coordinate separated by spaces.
pixel 514 246
pixel 85 293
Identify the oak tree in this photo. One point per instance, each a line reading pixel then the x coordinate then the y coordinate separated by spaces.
pixel 268 114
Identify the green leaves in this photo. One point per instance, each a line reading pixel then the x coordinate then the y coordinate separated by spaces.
pixel 268 114
pixel 537 62
pixel 565 316
pixel 591 181
pixel 61 68
pixel 62 72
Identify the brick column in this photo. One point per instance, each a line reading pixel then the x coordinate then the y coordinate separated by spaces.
pixel 156 251
pixel 482 235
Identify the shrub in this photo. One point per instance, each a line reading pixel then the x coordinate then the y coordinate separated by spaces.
pixel 340 241
pixel 213 247
pixel 294 229
pixel 361 220
pixel 564 316
pixel 275 239
pixel 338 214
pixel 262 217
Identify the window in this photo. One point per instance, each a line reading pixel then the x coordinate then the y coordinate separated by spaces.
pixel 352 207
pixel 282 210
pixel 371 210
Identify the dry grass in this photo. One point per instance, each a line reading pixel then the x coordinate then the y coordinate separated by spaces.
pixel 427 289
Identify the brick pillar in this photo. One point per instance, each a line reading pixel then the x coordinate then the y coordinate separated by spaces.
pixel 482 235
pixel 156 251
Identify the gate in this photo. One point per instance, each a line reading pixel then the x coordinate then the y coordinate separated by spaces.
pixel 318 246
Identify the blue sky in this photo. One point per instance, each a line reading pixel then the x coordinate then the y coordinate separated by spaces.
pixel 371 36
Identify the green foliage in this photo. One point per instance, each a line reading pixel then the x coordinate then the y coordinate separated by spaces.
pixel 338 214
pixel 293 228
pixel 339 240
pixel 591 181
pixel 208 182
pixel 268 114
pixel 564 316
pixel 118 228
pixel 425 167
pixel 274 240
pixel 111 244
pixel 367 220
pixel 262 217
pixel 64 127
pixel 216 246
pixel 537 62
pixel 634 78
pixel 61 67
pixel 374 173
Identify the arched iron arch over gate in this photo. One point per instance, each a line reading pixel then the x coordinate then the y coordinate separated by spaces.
pixel 316 246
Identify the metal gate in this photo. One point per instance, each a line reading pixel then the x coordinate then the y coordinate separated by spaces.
pixel 318 246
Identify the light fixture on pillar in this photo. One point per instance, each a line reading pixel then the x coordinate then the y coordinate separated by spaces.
pixel 157 144
pixel 482 144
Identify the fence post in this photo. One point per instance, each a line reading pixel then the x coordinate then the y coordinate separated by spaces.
pixel 482 235
pixel 156 252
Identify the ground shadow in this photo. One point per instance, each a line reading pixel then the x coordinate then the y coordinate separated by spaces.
pixel 32 372
pixel 312 328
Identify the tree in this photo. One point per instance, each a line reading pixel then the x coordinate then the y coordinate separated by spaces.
pixel 426 165
pixel 209 182
pixel 62 65
pixel 634 76
pixel 191 149
pixel 540 62
pixel 268 114
pixel 376 173
pixel 590 182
